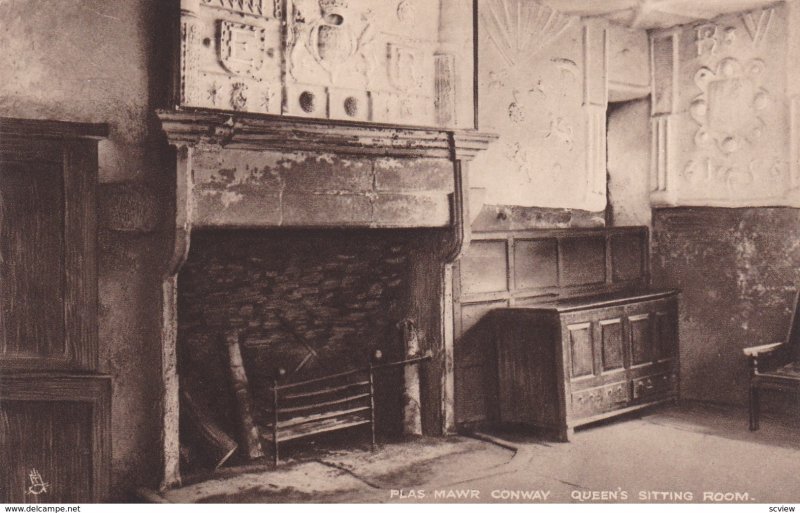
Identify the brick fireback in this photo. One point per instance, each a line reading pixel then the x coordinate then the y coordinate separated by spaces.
pixel 311 302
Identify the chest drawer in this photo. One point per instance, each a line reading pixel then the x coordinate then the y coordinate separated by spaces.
pixel 593 401
pixel 651 387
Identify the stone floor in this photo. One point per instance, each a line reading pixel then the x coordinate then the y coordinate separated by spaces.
pixel 693 453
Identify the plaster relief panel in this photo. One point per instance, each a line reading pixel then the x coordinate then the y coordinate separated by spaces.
pixel 381 51
pixel 230 55
pixel 533 92
pixel 729 128
pixel 729 109
pixel 358 60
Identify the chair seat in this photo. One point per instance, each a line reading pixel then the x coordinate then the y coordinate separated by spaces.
pixel 790 371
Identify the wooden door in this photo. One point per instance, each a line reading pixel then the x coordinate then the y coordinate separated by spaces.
pixel 53 405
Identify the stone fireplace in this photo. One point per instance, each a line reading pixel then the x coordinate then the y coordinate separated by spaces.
pixel 310 242
pixel 317 211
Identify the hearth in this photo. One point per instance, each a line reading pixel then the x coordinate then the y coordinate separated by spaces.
pixel 302 304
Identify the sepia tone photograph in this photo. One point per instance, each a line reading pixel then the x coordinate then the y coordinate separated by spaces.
pixel 271 252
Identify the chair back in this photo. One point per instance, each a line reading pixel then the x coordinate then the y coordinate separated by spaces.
pixel 793 338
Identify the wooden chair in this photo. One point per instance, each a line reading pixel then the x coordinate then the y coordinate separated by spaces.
pixel 775 366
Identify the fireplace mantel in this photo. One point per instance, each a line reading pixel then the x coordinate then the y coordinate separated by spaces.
pixel 230 130
pixel 241 170
pixel 319 135
pixel 261 171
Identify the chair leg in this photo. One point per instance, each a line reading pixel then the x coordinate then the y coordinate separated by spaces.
pixel 754 408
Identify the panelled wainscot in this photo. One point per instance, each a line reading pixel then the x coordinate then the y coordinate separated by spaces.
pixel 577 361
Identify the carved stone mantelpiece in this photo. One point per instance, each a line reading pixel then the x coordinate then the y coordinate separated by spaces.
pixel 263 171
pixel 240 170
pixel 353 60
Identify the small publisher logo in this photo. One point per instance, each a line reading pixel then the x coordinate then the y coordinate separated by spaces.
pixel 38 486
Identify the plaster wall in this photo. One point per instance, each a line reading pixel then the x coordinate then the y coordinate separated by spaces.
pixel 629 163
pixel 543 89
pixel 103 61
pixel 628 63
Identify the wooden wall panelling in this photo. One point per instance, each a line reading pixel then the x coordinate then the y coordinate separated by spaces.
pixel 48 253
pixel 32 247
pixel 54 426
pixel 58 426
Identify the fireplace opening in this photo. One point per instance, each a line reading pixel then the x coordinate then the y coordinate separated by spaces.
pixel 301 305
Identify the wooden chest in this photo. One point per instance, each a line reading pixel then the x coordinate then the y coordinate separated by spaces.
pixel 577 361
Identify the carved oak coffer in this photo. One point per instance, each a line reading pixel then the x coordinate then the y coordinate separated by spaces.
pixel 581 360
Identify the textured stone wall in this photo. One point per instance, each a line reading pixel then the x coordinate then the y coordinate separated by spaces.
pixel 738 270
pixel 311 302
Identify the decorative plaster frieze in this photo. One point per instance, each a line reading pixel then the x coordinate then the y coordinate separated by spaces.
pixel 664 66
pixel 255 7
pixel 730 106
pixel 189 83
pixel 595 63
pixel 722 134
pixel 595 157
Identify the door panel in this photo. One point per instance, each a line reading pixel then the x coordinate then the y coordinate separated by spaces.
pixel 611 337
pixel 45 440
pixel 31 261
pixel 54 405
pixel 581 349
pixel 641 339
pixel 475 372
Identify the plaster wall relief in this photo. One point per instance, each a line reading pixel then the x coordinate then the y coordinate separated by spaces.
pixel 456 52
pixel 230 54
pixel 721 113
pixel 358 60
pixel 665 58
pixel 595 104
pixel 533 92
